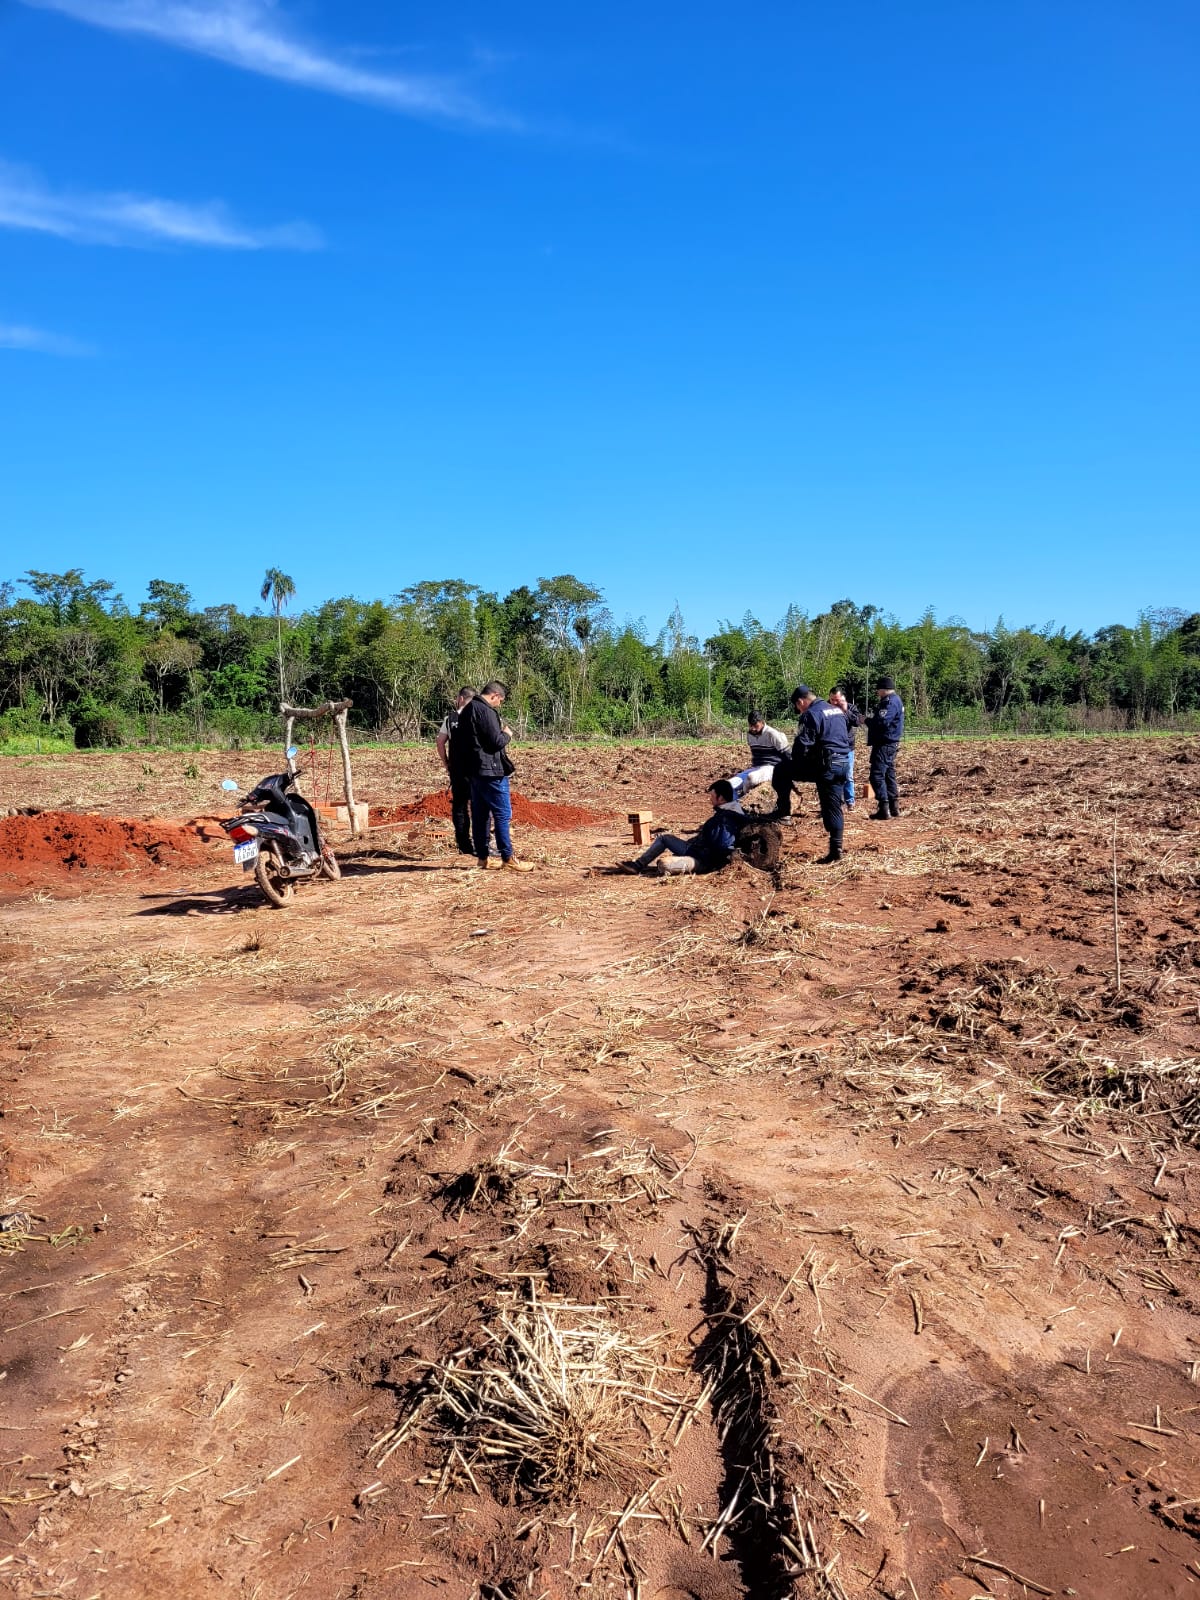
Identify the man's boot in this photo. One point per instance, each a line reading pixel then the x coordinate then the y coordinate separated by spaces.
pixel 835 854
pixel 882 815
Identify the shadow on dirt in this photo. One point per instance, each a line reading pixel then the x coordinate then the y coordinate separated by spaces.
pixel 216 902
pixel 242 897
pixel 733 1362
pixel 390 861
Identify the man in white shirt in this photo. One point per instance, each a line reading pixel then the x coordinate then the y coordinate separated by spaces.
pixel 768 748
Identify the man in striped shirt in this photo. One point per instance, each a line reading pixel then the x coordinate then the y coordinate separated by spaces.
pixel 768 748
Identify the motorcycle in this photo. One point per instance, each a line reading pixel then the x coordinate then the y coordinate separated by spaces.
pixel 278 837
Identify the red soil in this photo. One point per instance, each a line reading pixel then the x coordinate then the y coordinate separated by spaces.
pixel 53 844
pixel 48 846
pixel 530 813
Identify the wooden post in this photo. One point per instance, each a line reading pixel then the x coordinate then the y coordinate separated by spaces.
pixel 344 741
pixel 641 821
pixel 287 744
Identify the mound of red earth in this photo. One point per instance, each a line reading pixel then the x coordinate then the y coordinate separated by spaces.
pixel 44 846
pixel 526 812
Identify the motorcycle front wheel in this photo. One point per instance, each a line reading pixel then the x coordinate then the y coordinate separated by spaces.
pixel 330 867
pixel 278 889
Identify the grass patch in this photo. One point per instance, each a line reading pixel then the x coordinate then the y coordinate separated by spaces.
pixel 31 744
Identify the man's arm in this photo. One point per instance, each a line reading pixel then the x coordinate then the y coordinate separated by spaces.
pixel 443 746
pixel 717 837
pixel 490 733
pixel 725 834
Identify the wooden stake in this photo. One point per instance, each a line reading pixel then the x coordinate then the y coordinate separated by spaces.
pixel 1116 920
pixel 641 821
pixel 343 740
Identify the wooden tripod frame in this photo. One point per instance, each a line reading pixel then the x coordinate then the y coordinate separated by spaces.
pixel 339 710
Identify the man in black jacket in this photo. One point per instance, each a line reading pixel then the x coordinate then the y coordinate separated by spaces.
pixel 706 851
pixel 451 750
pixel 484 737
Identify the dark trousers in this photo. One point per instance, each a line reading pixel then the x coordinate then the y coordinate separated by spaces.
pixel 490 804
pixel 460 810
pixel 883 776
pixel 781 782
pixel 831 786
pixel 783 779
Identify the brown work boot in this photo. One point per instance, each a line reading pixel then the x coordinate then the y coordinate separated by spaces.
pixel 513 865
pixel 492 864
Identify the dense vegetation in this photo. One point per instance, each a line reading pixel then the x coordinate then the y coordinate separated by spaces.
pixel 77 665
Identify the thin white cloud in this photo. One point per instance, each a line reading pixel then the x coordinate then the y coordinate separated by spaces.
pixel 19 336
pixel 254 35
pixel 131 219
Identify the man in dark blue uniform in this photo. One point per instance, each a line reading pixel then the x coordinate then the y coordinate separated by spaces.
pixel 885 729
pixel 821 753
pixel 786 773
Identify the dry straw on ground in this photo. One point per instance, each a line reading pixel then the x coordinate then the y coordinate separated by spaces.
pixel 611 1175
pixel 554 1394
pixel 1163 1087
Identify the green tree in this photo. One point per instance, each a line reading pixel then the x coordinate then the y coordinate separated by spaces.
pixel 280 589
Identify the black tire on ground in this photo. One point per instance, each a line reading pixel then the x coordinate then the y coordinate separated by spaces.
pixel 330 867
pixel 762 845
pixel 278 890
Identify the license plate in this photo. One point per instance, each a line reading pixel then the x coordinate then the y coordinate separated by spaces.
pixel 243 854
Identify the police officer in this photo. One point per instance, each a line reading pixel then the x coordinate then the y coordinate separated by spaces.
pixel 822 753
pixel 885 729
pixel 786 773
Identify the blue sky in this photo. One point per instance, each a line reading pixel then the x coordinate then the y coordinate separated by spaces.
pixel 725 307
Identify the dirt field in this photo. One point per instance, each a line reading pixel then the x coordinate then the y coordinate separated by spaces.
pixel 826 1234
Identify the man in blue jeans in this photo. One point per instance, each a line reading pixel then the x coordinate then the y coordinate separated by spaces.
pixel 707 851
pixel 484 737
pixel 822 752
pixel 854 721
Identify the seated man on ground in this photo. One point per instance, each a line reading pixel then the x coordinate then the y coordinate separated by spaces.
pixel 768 747
pixel 706 851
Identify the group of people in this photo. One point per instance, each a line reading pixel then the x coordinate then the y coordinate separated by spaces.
pixel 472 744
pixel 822 753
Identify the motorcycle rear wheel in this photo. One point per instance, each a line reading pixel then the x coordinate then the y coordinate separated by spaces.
pixel 279 890
pixel 762 845
pixel 330 867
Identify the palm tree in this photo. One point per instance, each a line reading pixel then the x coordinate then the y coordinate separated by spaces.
pixel 280 589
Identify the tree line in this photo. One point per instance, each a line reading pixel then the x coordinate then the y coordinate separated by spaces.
pixel 78 666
